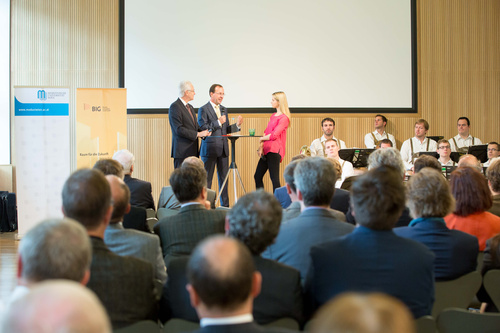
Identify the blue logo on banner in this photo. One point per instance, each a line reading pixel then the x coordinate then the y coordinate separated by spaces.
pixel 40 109
pixel 42 95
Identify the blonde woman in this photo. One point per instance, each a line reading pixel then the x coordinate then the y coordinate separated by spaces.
pixel 272 144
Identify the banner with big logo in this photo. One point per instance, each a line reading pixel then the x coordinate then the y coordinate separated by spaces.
pixel 101 124
pixel 42 152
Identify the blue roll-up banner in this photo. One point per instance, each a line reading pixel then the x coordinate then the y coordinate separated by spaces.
pixel 42 152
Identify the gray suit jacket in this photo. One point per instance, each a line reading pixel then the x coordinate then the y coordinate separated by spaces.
pixel 294 210
pixel 296 237
pixel 179 234
pixel 129 242
pixel 124 285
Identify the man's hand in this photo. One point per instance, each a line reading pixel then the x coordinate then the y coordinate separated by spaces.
pixel 222 119
pixel 240 121
pixel 203 133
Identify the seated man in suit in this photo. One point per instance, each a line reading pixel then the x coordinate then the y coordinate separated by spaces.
pixel 315 182
pixel 180 233
pixel 125 285
pixel 109 166
pixel 129 242
pixel 140 190
pixel 223 283
pixel 53 249
pixel 56 306
pixel 254 220
pixel 281 193
pixel 430 199
pixel 372 258
pixel 426 161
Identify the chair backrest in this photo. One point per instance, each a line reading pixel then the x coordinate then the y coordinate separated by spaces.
pixel 136 219
pixel 480 257
pixel 455 320
pixel 176 325
pixel 425 324
pixel 287 323
pixel 145 326
pixel 491 283
pixel 456 293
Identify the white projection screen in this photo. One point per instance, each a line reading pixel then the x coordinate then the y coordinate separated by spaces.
pixel 327 55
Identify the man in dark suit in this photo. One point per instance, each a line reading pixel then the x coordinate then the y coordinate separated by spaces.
pixel 372 258
pixel 315 179
pixel 223 283
pixel 128 242
pixel 125 285
pixel 180 233
pixel 185 130
pixel 215 151
pixel 140 190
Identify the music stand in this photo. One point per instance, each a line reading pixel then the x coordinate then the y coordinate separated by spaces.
pixel 447 170
pixel 480 151
pixel 357 156
pixel 232 166
pixel 435 137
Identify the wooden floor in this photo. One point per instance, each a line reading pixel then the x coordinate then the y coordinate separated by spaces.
pixel 8 264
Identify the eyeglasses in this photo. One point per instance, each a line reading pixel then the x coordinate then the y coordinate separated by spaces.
pixel 444 147
pixel 492 149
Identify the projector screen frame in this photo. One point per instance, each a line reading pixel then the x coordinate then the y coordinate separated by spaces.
pixel 257 110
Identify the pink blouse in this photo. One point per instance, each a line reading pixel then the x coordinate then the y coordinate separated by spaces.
pixel 277 127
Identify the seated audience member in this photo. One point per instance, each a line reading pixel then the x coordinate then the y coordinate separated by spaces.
pixel 493 175
pixel 386 157
pixel 140 190
pixel 373 139
pixel 363 313
pixel 318 145
pixel 125 285
pixel 470 161
pixel 491 260
pixel 372 258
pixel 426 161
pixel 473 199
pixel 332 151
pixel 53 249
pixel 281 193
pixel 179 234
pixel 384 143
pixel 430 199
pixel 417 144
pixel 109 166
pixel 315 180
pixel 128 242
pixel 444 152
pixel 493 152
pixel 463 140
pixel 223 283
pixel 56 306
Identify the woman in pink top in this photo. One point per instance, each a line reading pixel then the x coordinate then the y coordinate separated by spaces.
pixel 272 144
pixel 473 199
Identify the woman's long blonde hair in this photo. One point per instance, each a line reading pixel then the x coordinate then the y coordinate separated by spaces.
pixel 281 98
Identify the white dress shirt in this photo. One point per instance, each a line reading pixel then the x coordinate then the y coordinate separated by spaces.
pixel 317 146
pixel 370 143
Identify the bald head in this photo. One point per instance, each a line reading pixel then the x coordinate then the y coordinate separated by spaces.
pixel 57 306
pixel 221 272
pixel 121 198
pixel 194 162
pixel 470 161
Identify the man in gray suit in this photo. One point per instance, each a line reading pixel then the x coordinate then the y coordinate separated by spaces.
pixel 179 234
pixel 129 242
pixel 125 285
pixel 315 179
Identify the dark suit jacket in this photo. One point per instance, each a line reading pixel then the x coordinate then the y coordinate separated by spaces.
pixel 240 328
pixel 140 192
pixel 136 219
pixel 298 235
pixel 373 261
pixel 124 285
pixel 207 120
pixel 184 130
pixel 280 296
pixel 180 233
pixel 282 195
pixel 456 251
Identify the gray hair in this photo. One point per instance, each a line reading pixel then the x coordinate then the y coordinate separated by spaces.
pixel 471 161
pixel 183 87
pixel 386 157
pixel 55 249
pixel 59 307
pixel 315 178
pixel 429 194
pixel 126 159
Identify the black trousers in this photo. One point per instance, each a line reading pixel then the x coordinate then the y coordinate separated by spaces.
pixel 269 161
